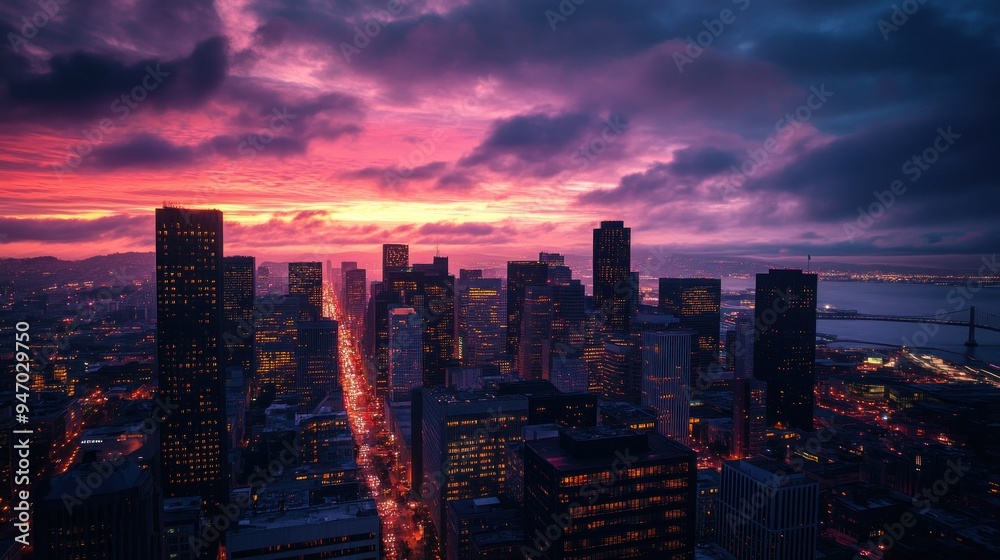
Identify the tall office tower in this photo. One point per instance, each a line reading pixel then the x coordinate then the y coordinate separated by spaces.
pixel 521 274
pixel 237 307
pixel 470 274
pixel 749 417
pixel 696 302
pixel 317 361
pixel 620 379
pixel 189 281
pixel 430 289
pixel 342 293
pixel 766 512
pixel 406 353
pixel 567 369
pixel 355 294
pixel 119 519
pixel 306 278
pixel 616 493
pixel 277 343
pixel 741 352
pixel 612 282
pixel 785 349
pixel 666 381
pixel 395 256
pixel 463 437
pixel 480 320
pixel 263 280
pixel 536 333
pixel 377 354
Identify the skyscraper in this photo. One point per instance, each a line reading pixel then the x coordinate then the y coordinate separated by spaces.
pixel 406 352
pixel 464 436
pixel 263 280
pixel 355 295
pixel 238 306
pixel 666 381
pixel 536 333
pixel 612 284
pixel 277 342
pixel 612 493
pixel 317 360
pixel 785 349
pixel 749 417
pixel 767 512
pixel 395 256
pixel 520 274
pixel 189 285
pixel 480 320
pixel 306 278
pixel 696 302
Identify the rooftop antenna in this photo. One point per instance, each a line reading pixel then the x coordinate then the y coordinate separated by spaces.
pixel 437 250
pixel 808 259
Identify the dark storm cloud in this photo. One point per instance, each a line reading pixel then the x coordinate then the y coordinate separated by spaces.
pixel 144 151
pixel 73 230
pixel 83 85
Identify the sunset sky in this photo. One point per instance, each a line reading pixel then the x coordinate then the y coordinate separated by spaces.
pixel 507 126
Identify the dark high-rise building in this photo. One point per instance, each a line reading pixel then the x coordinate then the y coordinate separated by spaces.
pixel 696 302
pixel 277 342
pixel 395 256
pixel 481 320
pixel 553 259
pixel 119 519
pixel 306 278
pixel 317 356
pixel 430 291
pixel 521 274
pixel 238 306
pixel 666 381
pixel 355 294
pixel 784 351
pixel 767 512
pixel 189 281
pixel 616 494
pixel 613 287
pixel 263 280
pixel 533 356
pixel 463 437
pixel 749 417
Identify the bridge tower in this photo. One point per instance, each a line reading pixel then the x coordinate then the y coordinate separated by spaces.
pixel 972 328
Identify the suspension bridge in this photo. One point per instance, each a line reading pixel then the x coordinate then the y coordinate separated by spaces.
pixel 971 317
